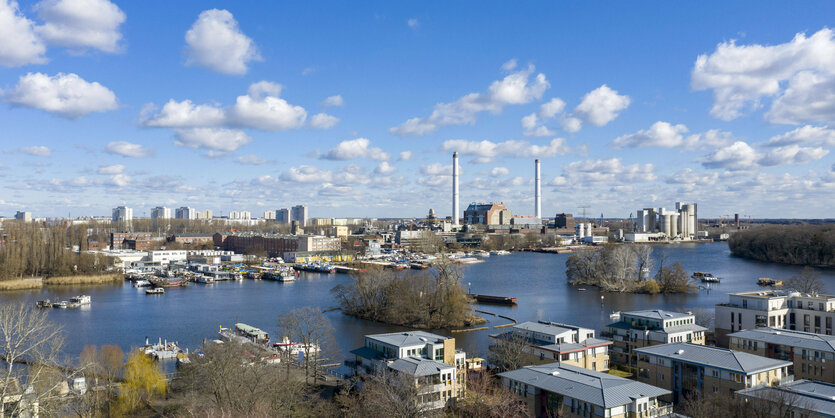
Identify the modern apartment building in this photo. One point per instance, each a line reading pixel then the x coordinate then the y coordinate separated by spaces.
pixel 122 214
pixel 432 360
pixel 686 369
pixel 566 344
pixel 774 309
pixel 801 398
pixel 561 390
pixel 283 216
pixel 299 213
pixel 23 216
pixel 269 215
pixel 185 212
pixel 160 212
pixel 638 329
pixel 812 354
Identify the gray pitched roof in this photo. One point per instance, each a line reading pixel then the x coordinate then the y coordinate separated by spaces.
pixel 418 367
pixel 808 340
pixel 805 394
pixel 408 338
pixel 657 314
pixel 586 385
pixel 541 328
pixel 720 358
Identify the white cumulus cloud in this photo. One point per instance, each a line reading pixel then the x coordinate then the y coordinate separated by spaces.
pixel 355 148
pixel 485 151
pixel 333 101
pixel 19 45
pixel 262 109
pixel 111 169
pixel 36 150
pixel 499 171
pixel 66 95
pixel 385 168
pixel 601 106
pixel 186 114
pixel 323 121
pixel 306 174
pixel 127 149
pixel 660 134
pixel 738 156
pixel 808 134
pixel 81 24
pixel 792 154
pixel 217 139
pixel 405 156
pixel 516 88
pixel 216 42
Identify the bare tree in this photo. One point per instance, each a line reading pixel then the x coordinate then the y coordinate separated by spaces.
pixel 29 352
pixel 387 394
pixel 807 281
pixel 101 370
pixel 309 327
pixel 509 352
pixel 487 398
pixel 643 253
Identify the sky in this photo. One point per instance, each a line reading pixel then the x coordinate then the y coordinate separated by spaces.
pixel 355 108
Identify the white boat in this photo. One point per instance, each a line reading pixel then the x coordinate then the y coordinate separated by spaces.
pixel 155 291
pixel 295 347
pixel 204 280
pixel 61 305
pixel 141 283
pixel 81 300
pixel 614 315
pixel 500 252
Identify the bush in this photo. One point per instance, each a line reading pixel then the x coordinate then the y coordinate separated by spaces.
pixel 651 287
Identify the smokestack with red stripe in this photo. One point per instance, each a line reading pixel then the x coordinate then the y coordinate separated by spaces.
pixel 455 189
pixel 538 194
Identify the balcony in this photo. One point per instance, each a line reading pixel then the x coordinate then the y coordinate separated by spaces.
pixel 662 410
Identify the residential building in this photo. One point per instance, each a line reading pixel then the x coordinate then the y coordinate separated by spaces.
pixel 774 309
pixel 652 327
pixel 556 389
pixel 160 212
pixel 566 344
pixel 283 216
pixel 412 239
pixel 240 216
pixel 318 243
pixel 23 216
pixel 299 213
pixel 687 369
pixel 339 231
pixel 487 214
pixel 320 222
pixel 432 360
pixel 800 398
pixel 122 214
pixel 205 215
pixel 193 239
pixel 185 212
pixel 810 353
pixel 269 215
pixel 139 241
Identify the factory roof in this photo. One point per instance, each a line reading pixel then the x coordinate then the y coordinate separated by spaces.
pixel 585 385
pixel 418 367
pixel 408 338
pixel 805 395
pixel 719 358
pixel 808 340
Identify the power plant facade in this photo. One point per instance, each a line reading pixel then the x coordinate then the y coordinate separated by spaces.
pixel 682 222
pixel 455 189
pixel 537 193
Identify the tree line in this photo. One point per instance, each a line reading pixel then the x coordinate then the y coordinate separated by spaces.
pixel 429 300
pixel 32 249
pixel 810 245
pixel 626 268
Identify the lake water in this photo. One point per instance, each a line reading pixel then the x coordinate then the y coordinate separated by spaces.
pixel 123 315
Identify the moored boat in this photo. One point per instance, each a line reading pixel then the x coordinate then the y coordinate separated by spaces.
pixel 155 291
pixel 141 283
pixel 81 300
pixel 705 277
pixel 44 303
pixel 61 305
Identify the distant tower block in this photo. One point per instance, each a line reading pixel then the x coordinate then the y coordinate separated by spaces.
pixel 537 194
pixel 455 189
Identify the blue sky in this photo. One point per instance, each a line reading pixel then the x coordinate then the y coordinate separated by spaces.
pixel 355 109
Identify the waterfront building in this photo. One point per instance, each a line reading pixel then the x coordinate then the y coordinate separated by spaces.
pixel 139 241
pixel 185 212
pixel 810 353
pixel 566 344
pixel 283 216
pixel 646 328
pixel 693 369
pixel 800 398
pixel 682 222
pixel 437 367
pixel 569 391
pixel 167 256
pixel 122 214
pixel 23 216
pixel 487 214
pixel 299 213
pixel 774 309
pixel 160 212
pixel 277 245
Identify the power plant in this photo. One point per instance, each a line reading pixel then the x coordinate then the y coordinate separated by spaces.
pixel 455 189
pixel 537 194
pixel 682 222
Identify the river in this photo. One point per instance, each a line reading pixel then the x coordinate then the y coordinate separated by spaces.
pixel 123 315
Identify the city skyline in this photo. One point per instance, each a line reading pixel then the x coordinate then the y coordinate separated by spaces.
pixel 355 110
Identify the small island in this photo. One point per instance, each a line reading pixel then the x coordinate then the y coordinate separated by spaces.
pixel 431 300
pixel 805 245
pixel 626 269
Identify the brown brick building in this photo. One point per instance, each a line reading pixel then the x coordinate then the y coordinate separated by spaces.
pixel 140 241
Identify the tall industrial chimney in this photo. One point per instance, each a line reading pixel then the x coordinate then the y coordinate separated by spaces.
pixel 538 194
pixel 455 189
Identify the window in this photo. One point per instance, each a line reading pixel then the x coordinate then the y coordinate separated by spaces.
pixel 732 317
pixel 791 318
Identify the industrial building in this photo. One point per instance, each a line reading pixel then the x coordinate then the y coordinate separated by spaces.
pixel 774 309
pixel 277 245
pixel 680 223
pixel 487 214
pixel 692 369
pixel 556 389
pixel 122 214
pixel 564 221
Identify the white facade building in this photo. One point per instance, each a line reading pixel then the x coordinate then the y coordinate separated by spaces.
pixel 122 214
pixel 23 216
pixel 185 212
pixel 160 212
pixel 269 215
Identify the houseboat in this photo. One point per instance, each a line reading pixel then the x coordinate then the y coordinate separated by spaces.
pixel 766 281
pixel 705 277
pixel 141 283
pixel 44 303
pixel 155 291
pixel 81 300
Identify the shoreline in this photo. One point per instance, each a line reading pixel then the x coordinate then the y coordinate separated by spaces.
pixel 40 283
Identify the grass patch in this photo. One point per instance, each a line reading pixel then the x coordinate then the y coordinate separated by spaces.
pixel 84 279
pixel 620 373
pixel 21 284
